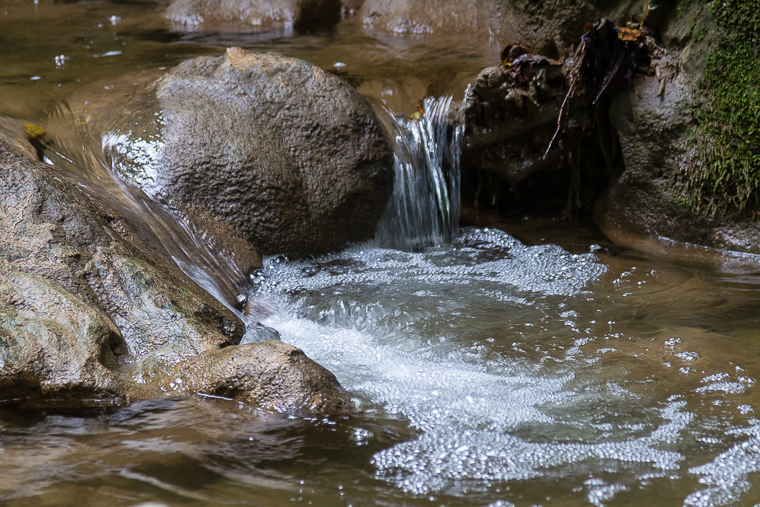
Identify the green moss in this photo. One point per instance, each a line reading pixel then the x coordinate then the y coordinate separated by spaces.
pixel 724 176
pixel 701 34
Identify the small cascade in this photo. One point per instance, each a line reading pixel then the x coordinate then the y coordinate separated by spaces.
pixel 424 207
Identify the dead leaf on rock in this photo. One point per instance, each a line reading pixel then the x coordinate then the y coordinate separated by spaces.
pixel 419 113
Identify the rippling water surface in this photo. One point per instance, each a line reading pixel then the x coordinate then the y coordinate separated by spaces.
pixel 537 366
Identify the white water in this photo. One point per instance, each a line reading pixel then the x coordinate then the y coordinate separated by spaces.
pixel 393 327
pixel 492 351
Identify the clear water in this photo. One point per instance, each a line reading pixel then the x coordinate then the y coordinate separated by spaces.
pixel 537 366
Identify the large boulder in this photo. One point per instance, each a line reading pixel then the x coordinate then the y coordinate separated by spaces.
pixel 251 15
pixel 60 231
pixel 287 155
pixel 689 172
pixel 649 197
pixel 90 307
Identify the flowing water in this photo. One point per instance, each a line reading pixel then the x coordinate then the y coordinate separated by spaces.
pixel 424 208
pixel 524 362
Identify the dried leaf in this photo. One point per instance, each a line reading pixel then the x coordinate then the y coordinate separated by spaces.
pixel 629 34
pixel 419 113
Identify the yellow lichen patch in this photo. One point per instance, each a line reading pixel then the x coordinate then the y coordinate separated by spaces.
pixel 33 131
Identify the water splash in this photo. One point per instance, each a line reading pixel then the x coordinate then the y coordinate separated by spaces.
pixel 424 207
pixel 433 338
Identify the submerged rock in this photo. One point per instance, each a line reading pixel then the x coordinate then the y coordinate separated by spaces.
pixel 271 375
pixel 545 27
pixel 89 308
pixel 251 15
pixel 289 156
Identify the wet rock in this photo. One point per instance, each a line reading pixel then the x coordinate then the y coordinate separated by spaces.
pixel 647 199
pixel 643 199
pixel 51 343
pixel 251 15
pixel 12 131
pixel 59 233
pixel 271 375
pixel 258 332
pixel 514 113
pixel 535 114
pixel 649 195
pixel 510 116
pixel 89 308
pixel 288 155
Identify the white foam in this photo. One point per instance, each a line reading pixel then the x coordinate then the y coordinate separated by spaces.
pixel 412 335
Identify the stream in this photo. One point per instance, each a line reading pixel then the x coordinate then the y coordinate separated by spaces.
pixel 519 362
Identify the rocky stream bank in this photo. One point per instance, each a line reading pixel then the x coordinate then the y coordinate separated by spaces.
pixel 599 108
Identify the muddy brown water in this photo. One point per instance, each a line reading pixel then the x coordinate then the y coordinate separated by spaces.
pixel 530 362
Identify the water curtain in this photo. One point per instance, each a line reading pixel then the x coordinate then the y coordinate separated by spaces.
pixel 424 207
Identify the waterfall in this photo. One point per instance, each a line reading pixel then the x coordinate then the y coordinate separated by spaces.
pixel 424 207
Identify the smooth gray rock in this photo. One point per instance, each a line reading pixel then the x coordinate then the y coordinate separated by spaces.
pixel 289 156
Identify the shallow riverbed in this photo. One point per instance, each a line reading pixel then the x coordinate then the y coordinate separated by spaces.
pixel 529 362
